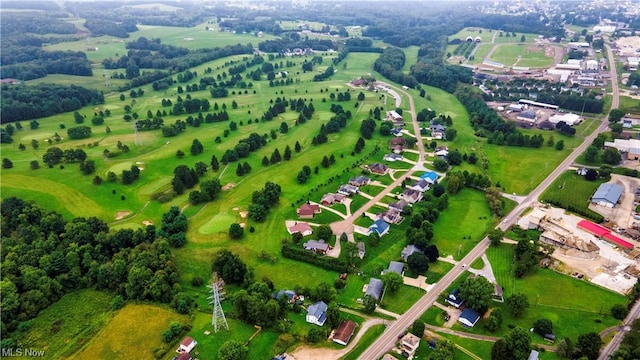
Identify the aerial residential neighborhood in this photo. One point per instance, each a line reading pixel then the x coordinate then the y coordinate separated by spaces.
pixel 320 180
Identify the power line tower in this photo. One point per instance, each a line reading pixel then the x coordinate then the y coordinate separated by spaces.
pixel 218 319
pixel 136 136
pixel 107 78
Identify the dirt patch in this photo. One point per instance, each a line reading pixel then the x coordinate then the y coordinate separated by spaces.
pixel 243 214
pixel 242 225
pixel 121 214
pixel 235 209
pixel 147 222
pixel 228 186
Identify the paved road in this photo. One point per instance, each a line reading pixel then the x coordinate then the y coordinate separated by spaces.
pixel 390 336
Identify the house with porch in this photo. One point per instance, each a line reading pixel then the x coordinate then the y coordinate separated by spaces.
pixel 308 211
pixel 301 227
pixel 317 313
pixel 378 169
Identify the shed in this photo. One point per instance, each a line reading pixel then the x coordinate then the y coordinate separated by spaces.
pixel 607 195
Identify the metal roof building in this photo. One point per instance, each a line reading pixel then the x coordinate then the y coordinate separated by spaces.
pixel 607 194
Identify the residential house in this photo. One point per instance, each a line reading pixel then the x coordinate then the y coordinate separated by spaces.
pixel 375 288
pixel 396 267
pixel 408 250
pixel 469 317
pixel 330 199
pixel 308 211
pixel 378 168
pixel 301 227
pixel 291 295
pixel 393 116
pixel 422 185
pixel 343 333
pixel 410 344
pixel 318 246
pixel 361 249
pixel 390 216
pixel 442 151
pixel 380 227
pixel 392 157
pixel 399 205
pixel 533 355
pixel 437 131
pixel 397 144
pixel 359 181
pixel 430 177
pixel 183 356
pixel 412 196
pixel 454 298
pixel 317 313
pixel 348 189
pixel 396 131
pixel 186 345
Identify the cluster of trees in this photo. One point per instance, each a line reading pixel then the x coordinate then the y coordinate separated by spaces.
pixel 44 62
pixel 244 148
pixel 291 251
pixel 291 40
pixel 21 102
pixel 100 26
pixel 263 200
pixel 79 132
pixel 526 257
pixel 335 124
pixel 390 64
pixel 46 256
pixel 630 344
pixel 209 190
pixel 325 74
pixel 174 227
pixel 456 180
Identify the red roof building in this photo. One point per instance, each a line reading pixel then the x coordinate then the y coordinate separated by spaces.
pixel 595 229
pixel 307 211
pixel 616 240
pixel 343 333
pixel 604 233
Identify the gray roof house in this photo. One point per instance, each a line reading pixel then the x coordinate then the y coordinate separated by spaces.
pixel 408 250
pixel 396 267
pixel 607 195
pixel 374 289
pixel 422 185
pixel 348 189
pixel 399 205
pixel 316 245
pixel 317 313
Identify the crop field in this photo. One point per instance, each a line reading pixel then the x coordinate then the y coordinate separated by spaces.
pixel 521 55
pixel 125 332
pixel 571 189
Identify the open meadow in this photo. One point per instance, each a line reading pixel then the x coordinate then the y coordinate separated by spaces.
pixel 522 55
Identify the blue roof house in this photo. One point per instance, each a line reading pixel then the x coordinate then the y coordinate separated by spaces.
pixel 430 177
pixel 317 313
pixel 380 227
pixel 469 317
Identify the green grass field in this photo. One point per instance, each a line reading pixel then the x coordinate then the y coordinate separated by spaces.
pixel 125 332
pixel 571 189
pixel 68 325
pixel 521 55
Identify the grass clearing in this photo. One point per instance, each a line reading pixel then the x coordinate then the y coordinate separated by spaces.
pixel 571 190
pixel 67 325
pixel 521 55
pixel 124 332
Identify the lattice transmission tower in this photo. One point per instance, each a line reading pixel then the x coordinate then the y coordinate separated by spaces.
pixel 218 319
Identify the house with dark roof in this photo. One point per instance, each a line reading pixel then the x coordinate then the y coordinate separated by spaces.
pixel 379 169
pixel 343 333
pixel 348 189
pixel 390 216
pixel 361 249
pixel 308 211
pixel 422 185
pixel 469 317
pixel 454 298
pixel 183 356
pixel 301 227
pixel 392 157
pixel 330 199
pixel 380 227
pixel 359 181
pixel 607 194
pixel 396 267
pixel 186 345
pixel 375 288
pixel 317 313
pixel 290 295
pixel 397 144
pixel 430 177
pixel 437 131
pixel 318 246
pixel 412 196
pixel 408 250
pixel 396 131
pixel 399 205
pixel 442 151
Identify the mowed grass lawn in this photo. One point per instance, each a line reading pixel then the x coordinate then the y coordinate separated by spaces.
pixel 367 339
pixel 135 326
pixel 571 189
pixel 67 325
pixel 574 306
pixel 529 55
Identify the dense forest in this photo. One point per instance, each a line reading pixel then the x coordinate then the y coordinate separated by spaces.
pixel 21 102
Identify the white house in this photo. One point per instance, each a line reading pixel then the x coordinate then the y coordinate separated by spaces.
pixel 187 345
pixel 317 313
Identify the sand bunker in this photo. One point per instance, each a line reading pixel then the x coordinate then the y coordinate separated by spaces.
pixel 242 225
pixel 228 186
pixel 122 214
pixel 243 214
pixel 147 222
